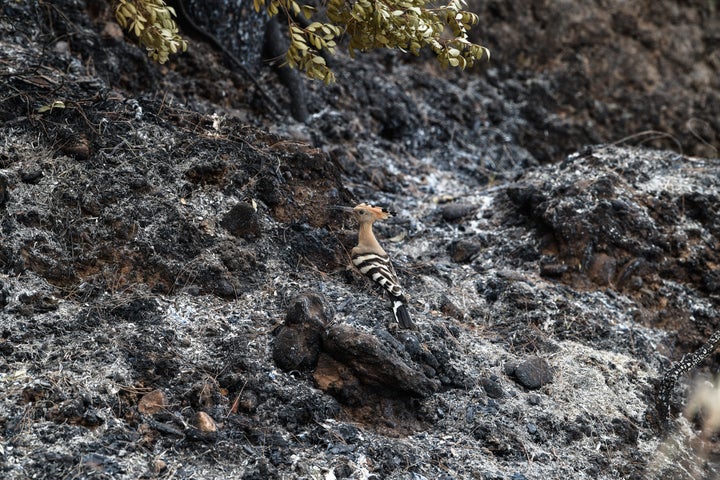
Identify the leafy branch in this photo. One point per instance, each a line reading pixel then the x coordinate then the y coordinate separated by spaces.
pixel 151 21
pixel 407 25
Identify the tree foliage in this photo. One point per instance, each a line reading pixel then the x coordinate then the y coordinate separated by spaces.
pixel 408 25
pixel 152 23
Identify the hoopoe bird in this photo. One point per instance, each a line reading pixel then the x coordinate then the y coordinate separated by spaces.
pixel 373 262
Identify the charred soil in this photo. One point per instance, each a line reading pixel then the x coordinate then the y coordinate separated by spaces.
pixel 175 297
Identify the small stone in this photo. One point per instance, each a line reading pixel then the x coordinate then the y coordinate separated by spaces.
pixel 450 309
pixel 463 251
pixel 77 146
pixel 268 191
pixel 553 270
pixel 533 373
pixel 531 428
pixel 491 387
pixel 97 463
pixel 248 401
pixel 158 465
pixel 62 48
pixel 309 309
pixel 297 344
pixel 212 173
pixel 296 348
pixel 456 211
pixel 602 269
pixel 32 177
pixel 112 31
pixel 6 348
pixel 205 423
pixel 152 402
pixel 242 221
pixel 40 302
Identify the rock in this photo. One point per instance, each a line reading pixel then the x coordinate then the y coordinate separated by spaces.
pixel 31 176
pixel 248 401
pixel 337 379
pixel 158 465
pixel 492 387
pixel 532 373
pixel 76 146
pixel 296 348
pixel 358 360
pixel 309 309
pixel 38 301
pixel 552 269
pixel 602 269
pixel 204 423
pixel 112 30
pixel 449 308
pixel 100 465
pixel 268 191
pixel 208 173
pixel 464 251
pixel 151 403
pixel 456 211
pixel 6 348
pixel 297 344
pixel 242 221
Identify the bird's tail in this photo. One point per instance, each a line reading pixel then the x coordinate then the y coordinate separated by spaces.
pixel 402 316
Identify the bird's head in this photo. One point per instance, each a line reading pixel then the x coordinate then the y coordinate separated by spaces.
pixel 365 212
pixel 369 213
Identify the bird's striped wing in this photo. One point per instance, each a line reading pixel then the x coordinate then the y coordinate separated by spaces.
pixel 379 269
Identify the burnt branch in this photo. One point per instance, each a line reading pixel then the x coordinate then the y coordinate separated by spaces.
pixel 668 381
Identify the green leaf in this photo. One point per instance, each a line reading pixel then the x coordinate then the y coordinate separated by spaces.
pixel 308 11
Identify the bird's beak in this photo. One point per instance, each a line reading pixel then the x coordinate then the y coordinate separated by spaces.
pixel 344 209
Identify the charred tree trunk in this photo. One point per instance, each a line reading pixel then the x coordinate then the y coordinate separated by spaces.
pixel 274 50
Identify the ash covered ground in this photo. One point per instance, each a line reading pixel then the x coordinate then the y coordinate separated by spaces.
pixel 174 284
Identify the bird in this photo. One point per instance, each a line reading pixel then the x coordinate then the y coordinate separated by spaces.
pixel 370 258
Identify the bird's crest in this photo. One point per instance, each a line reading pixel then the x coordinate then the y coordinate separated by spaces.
pixel 379 213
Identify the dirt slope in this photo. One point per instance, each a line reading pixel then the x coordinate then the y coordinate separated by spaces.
pixel 175 300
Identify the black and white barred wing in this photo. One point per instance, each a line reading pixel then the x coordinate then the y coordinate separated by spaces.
pixel 379 269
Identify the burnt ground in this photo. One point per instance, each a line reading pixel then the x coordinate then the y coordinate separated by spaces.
pixel 174 291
